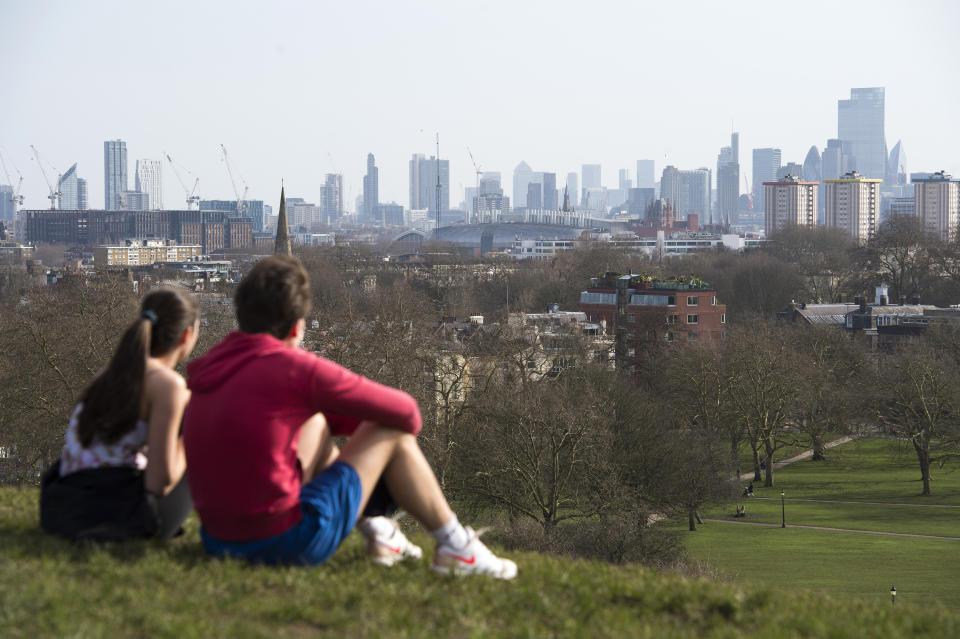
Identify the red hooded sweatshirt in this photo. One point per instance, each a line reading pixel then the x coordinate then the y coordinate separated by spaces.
pixel 251 395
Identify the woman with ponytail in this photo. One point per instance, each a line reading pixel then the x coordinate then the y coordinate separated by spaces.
pixel 121 472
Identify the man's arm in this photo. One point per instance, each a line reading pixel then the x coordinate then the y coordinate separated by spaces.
pixel 346 399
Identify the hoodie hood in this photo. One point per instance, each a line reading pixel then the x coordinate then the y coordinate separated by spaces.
pixel 229 356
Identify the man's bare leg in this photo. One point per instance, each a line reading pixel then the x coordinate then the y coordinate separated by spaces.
pixel 376 450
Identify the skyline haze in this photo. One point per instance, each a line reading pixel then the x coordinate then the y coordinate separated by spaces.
pixel 294 98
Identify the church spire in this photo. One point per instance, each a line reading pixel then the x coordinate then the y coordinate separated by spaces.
pixel 282 244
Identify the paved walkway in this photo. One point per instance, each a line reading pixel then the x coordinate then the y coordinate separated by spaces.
pixel 869 503
pixel 807 454
pixel 847 530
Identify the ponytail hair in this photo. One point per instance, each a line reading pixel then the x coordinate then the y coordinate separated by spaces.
pixel 111 403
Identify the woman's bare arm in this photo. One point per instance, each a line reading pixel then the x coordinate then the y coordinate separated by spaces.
pixel 167 397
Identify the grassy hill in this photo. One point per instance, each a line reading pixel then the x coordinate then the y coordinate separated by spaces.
pixel 51 588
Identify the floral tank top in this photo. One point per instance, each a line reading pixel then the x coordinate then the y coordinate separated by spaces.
pixel 127 451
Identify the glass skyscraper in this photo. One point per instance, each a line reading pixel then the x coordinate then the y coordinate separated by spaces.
pixel 73 190
pixel 114 173
pixel 860 124
pixel 766 163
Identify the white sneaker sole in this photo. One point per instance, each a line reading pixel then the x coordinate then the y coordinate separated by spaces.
pixel 509 572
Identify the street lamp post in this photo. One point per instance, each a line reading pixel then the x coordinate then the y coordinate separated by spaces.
pixel 893 596
pixel 783 511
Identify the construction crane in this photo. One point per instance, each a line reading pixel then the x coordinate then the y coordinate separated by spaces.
pixel 54 196
pixel 16 198
pixel 476 168
pixel 192 197
pixel 241 199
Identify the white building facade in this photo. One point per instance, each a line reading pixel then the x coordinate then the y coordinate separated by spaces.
pixel 936 202
pixel 149 180
pixel 853 204
pixel 789 202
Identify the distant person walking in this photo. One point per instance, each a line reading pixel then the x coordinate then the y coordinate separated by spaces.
pixel 121 471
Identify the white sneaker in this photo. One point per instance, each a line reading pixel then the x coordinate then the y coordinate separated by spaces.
pixel 473 559
pixel 388 549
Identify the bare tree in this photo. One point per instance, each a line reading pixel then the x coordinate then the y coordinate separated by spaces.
pixel 542 450
pixel 54 341
pixel 829 395
pixel 763 390
pixel 919 399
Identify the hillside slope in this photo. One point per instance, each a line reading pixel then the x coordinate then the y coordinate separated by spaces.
pixel 52 588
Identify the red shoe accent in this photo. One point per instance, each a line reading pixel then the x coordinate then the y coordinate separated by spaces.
pixel 395 551
pixel 469 562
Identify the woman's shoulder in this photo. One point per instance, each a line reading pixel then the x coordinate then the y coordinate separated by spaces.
pixel 164 380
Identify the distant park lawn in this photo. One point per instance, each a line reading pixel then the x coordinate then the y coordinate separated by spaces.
pixel 855 564
pixel 869 469
pixel 924 571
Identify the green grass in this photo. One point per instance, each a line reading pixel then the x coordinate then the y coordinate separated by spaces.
pixel 846 564
pixel 869 469
pixel 784 452
pixel 942 522
pixel 51 588
pixel 843 565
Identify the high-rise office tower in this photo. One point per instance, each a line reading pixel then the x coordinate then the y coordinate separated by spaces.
pixel 7 208
pixel 639 201
pixel 69 188
pixel 936 201
pixel 550 196
pixel 646 177
pixel 625 182
pixel 853 205
pixel 415 162
pixel 813 172
pixel 371 193
pixel 789 202
pixel 766 163
pixel 83 203
pixel 114 173
pixel 695 191
pixel 490 202
pixel 423 184
pixel 149 180
pixel 534 196
pixel 728 180
pixel 134 201
pixel 490 183
pixel 860 123
pixel 836 160
pixel 573 188
pixel 811 165
pixel 670 186
pixel 897 167
pixel 790 168
pixel 590 176
pixel 522 176
pixel 331 198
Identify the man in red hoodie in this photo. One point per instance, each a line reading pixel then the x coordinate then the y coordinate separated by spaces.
pixel 267 481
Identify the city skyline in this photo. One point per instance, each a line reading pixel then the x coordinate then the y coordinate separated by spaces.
pixel 556 129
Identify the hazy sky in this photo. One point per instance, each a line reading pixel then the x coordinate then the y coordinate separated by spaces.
pixel 299 89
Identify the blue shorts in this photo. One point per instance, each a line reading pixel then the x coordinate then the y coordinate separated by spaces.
pixel 329 504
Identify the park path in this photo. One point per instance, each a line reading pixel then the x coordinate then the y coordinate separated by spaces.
pixel 869 503
pixel 847 530
pixel 807 454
